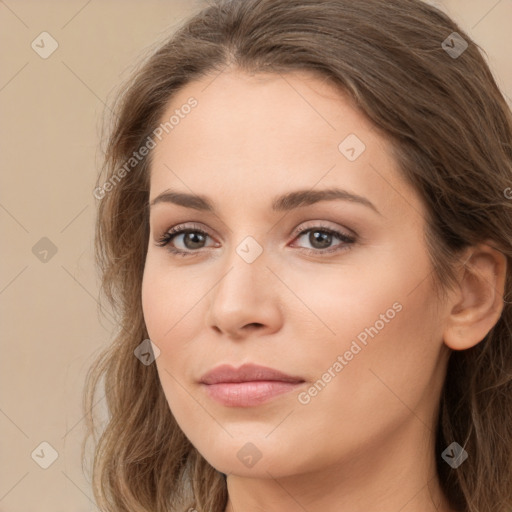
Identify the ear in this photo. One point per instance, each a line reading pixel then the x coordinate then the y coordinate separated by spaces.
pixel 477 305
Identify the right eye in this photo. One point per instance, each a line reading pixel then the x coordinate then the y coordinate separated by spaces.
pixel 192 237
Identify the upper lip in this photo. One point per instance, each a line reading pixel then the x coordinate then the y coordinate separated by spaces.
pixel 246 373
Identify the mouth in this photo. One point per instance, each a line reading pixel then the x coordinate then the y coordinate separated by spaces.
pixel 247 386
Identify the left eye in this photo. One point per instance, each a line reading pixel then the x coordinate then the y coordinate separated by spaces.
pixel 193 239
pixel 321 238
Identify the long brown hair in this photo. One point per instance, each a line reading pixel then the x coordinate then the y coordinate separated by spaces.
pixel 451 134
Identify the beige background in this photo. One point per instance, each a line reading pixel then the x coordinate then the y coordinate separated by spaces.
pixel 51 112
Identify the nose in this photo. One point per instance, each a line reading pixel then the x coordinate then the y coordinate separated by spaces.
pixel 245 299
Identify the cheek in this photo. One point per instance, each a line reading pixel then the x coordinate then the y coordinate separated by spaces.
pixel 173 303
pixel 380 380
pixel 169 297
pixel 154 299
pixel 340 304
pixel 390 347
pixel 380 318
pixel 169 317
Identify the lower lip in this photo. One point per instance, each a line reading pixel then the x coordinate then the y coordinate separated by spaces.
pixel 248 394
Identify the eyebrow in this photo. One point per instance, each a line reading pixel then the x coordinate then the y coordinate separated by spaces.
pixel 286 202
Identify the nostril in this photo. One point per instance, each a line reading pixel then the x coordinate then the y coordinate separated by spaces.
pixel 254 325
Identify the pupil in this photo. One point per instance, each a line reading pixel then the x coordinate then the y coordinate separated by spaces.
pixel 324 239
pixel 193 238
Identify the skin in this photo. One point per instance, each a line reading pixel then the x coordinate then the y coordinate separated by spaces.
pixel 365 442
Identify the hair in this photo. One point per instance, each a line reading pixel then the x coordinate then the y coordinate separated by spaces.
pixel 450 131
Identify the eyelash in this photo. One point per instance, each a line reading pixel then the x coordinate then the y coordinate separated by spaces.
pixel 168 236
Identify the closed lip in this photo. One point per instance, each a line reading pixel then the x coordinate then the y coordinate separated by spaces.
pixel 249 372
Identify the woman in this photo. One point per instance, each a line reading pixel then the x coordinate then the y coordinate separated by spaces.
pixel 305 231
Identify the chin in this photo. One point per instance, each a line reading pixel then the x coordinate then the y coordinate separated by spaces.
pixel 252 456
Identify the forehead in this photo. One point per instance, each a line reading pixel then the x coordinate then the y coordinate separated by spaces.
pixel 264 111
pixel 254 136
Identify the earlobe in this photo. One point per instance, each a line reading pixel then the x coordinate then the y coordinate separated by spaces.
pixel 478 303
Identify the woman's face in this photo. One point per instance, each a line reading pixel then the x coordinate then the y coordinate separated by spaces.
pixel 333 289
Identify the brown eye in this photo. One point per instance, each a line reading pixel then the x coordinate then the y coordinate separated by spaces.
pixel 189 240
pixel 321 240
pixel 192 239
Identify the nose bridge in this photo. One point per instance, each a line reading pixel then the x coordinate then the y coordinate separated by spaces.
pixel 243 294
pixel 246 272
